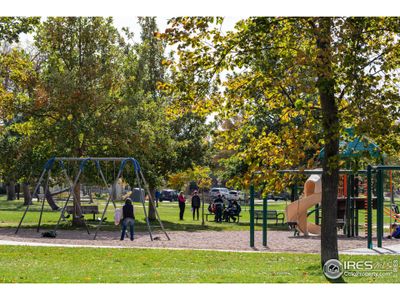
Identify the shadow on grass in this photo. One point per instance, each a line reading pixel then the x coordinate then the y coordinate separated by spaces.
pixel 22 208
pixel 140 225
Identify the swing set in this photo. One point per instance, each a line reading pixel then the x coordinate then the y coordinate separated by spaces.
pixel 72 183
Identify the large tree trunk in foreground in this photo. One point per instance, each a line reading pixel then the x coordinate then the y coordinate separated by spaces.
pixel 10 190
pixel 27 193
pixel 330 125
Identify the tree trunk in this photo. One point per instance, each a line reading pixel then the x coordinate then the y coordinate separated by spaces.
pixel 330 125
pixel 114 192
pixel 27 194
pixel 11 190
pixel 50 200
pixel 18 190
pixel 152 210
pixel 77 217
pixel 90 195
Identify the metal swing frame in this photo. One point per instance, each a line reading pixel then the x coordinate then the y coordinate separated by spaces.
pixel 138 175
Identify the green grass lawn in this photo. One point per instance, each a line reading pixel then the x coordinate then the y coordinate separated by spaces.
pixel 53 264
pixel 11 213
pixel 74 265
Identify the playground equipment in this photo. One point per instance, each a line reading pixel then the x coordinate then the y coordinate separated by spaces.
pixel 349 202
pixel 137 176
pixel 393 213
pixel 352 203
pixel 348 206
pixel 296 212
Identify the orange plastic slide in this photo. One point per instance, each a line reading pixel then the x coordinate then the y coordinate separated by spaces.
pixel 297 210
pixel 391 213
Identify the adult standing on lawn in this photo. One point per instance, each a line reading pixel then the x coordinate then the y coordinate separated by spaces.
pixel 158 195
pixel 219 207
pixel 181 200
pixel 195 204
pixel 128 218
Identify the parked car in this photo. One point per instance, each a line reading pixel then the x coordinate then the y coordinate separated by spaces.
pixel 236 195
pixel 214 192
pixel 280 196
pixel 168 195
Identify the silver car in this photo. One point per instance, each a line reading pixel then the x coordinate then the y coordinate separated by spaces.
pixel 214 192
pixel 236 195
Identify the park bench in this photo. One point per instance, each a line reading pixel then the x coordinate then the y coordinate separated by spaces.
pixel 271 215
pixel 209 214
pixel 212 214
pixel 86 209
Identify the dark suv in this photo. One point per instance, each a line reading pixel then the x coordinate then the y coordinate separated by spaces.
pixel 280 196
pixel 168 195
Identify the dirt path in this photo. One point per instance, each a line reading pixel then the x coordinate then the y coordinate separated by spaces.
pixel 278 241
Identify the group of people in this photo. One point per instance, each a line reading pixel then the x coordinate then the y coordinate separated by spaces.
pixel 195 205
pixel 217 207
pixel 224 213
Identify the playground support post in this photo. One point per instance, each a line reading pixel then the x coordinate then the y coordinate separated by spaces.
pixel 392 203
pixel 369 211
pixel 264 229
pixel 111 197
pixel 146 186
pixel 35 191
pixel 251 214
pixel 46 189
pixel 317 214
pixel 379 219
pixel 202 207
pixel 352 205
pixel 348 206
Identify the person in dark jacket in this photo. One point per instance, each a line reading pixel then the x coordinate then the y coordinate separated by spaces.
pixel 181 200
pixel 158 195
pixel 219 207
pixel 395 231
pixel 195 204
pixel 226 212
pixel 128 219
pixel 232 211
